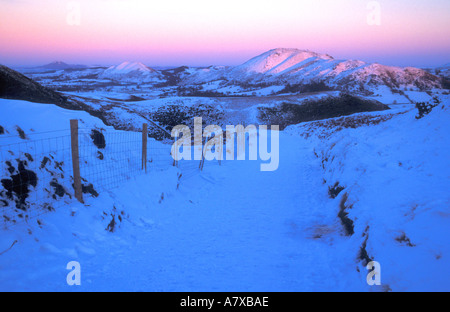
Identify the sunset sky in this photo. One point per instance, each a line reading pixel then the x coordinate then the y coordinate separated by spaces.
pixel 206 32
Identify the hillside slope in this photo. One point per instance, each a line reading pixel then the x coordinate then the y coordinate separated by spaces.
pixel 14 85
pixel 387 179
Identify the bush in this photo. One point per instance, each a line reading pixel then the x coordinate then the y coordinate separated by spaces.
pixel 330 107
pixel 172 115
pixel 424 108
pixel 305 88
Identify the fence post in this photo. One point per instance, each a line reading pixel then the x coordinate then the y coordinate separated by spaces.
pixel 144 146
pixel 76 160
pixel 202 162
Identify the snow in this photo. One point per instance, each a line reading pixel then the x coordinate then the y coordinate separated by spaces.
pixel 40 121
pixel 206 235
pixel 395 176
pixel 278 60
pixel 265 91
pixel 127 67
pixel 384 95
pixel 135 72
pixel 232 227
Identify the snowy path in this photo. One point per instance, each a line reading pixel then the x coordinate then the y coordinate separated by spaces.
pixel 232 228
pixel 235 228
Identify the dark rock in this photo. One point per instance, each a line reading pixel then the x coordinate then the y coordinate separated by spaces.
pixel 98 138
pixel 18 185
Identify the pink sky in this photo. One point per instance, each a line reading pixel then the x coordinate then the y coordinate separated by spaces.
pixel 206 32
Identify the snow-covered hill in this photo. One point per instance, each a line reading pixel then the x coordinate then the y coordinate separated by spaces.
pixel 14 85
pixel 131 71
pixel 59 65
pixel 129 67
pixel 293 66
pixel 278 62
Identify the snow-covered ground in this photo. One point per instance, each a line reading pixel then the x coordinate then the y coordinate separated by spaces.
pixel 234 228
pixel 394 177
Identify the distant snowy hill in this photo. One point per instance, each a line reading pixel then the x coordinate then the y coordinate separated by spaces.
pixel 443 71
pixel 278 71
pixel 58 65
pixel 294 66
pixel 131 70
pixel 129 67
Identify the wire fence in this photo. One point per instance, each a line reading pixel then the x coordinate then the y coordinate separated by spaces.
pixel 37 169
pixel 32 171
pixel 37 175
pixel 115 156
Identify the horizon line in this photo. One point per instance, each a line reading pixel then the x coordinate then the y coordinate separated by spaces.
pixel 368 60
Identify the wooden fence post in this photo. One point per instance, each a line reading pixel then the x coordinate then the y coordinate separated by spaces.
pixel 76 160
pixel 144 146
pixel 202 162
